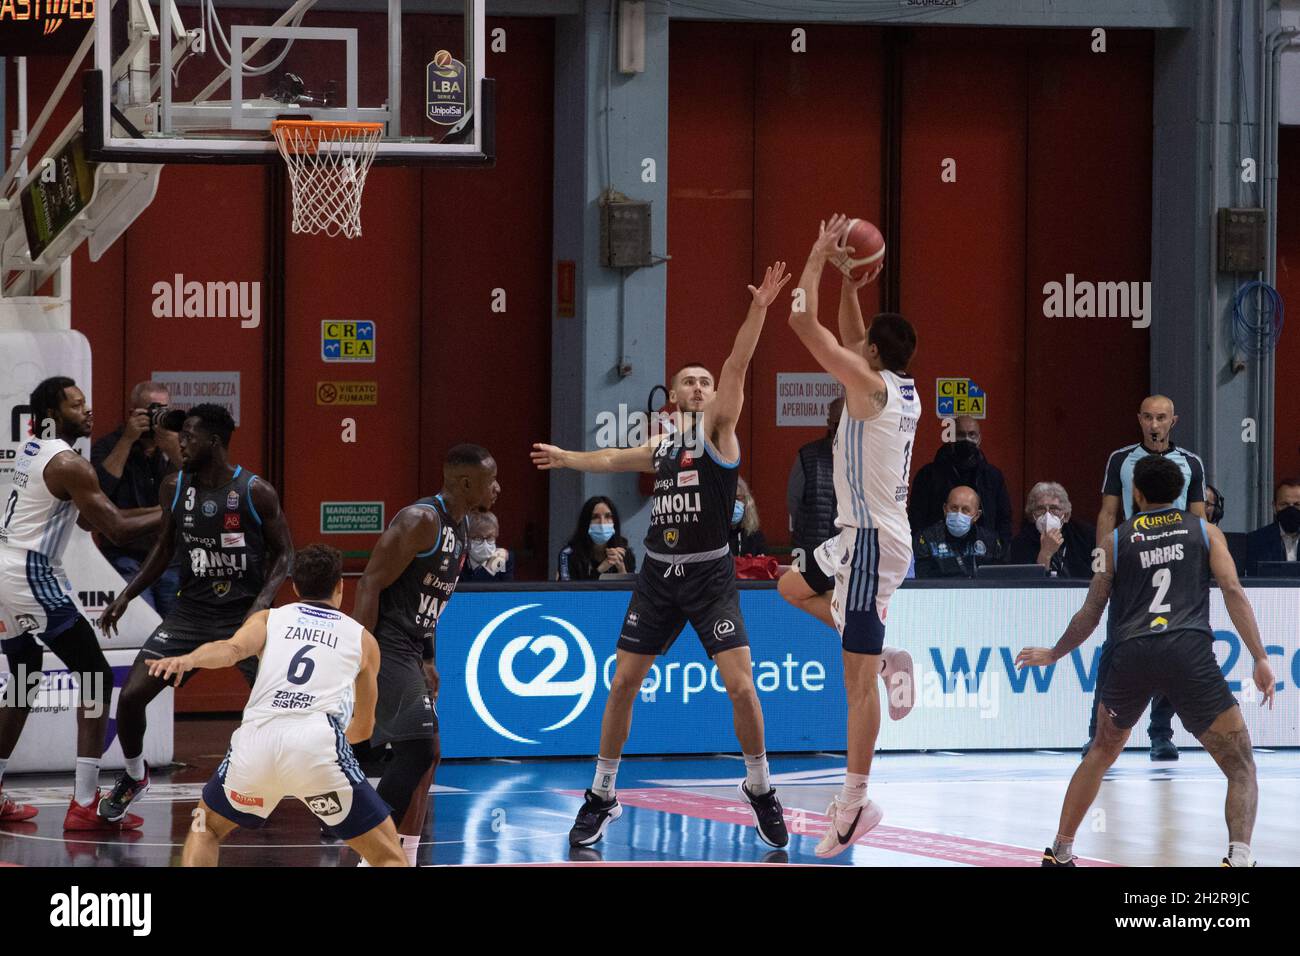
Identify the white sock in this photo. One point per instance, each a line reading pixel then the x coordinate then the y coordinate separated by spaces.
pixel 854 792
pixel 1063 849
pixel 4 762
pixel 1239 854
pixel 410 845
pixel 602 785
pixel 756 778
pixel 135 767
pixel 87 780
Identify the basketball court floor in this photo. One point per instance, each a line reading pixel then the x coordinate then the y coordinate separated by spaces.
pixel 941 809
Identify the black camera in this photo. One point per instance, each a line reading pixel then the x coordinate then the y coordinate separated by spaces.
pixel 164 416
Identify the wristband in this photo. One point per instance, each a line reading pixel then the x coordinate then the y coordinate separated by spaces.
pixel 428 649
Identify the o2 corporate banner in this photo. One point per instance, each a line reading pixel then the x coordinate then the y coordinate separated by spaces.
pixel 526 674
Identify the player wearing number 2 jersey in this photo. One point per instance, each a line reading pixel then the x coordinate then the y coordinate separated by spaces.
pixel 1157 580
pixel 412 573
pixel 873 452
pixel 314 695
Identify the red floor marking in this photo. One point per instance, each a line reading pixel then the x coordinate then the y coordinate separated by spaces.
pixel 938 846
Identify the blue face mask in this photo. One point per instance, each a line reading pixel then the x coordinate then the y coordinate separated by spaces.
pixel 958 523
pixel 600 533
pixel 737 512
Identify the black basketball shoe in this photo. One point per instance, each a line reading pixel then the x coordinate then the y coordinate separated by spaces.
pixel 594 817
pixel 1049 859
pixel 769 818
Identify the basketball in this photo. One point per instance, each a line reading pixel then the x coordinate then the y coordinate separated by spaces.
pixel 868 247
pixel 442 59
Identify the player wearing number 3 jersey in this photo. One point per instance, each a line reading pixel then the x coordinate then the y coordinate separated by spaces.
pixel 412 573
pixel 314 695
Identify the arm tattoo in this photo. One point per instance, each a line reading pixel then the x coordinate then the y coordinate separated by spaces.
pixel 879 399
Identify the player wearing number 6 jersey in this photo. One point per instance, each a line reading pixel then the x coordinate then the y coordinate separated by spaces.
pixel 873 452
pixel 412 573
pixel 314 694
pixel 1156 579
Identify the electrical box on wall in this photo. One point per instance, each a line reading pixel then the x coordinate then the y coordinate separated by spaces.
pixel 1242 240
pixel 625 234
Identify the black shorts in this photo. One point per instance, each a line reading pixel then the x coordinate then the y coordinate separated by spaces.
pixel 405 709
pixel 815 577
pixel 1177 664
pixel 666 596
pixel 187 628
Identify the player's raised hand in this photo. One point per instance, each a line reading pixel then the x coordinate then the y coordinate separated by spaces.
pixel 546 457
pixel 831 238
pixel 774 280
pixel 169 667
pixel 1265 682
pixel 1034 657
pixel 868 277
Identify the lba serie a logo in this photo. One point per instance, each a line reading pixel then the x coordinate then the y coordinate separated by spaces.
pixel 533 665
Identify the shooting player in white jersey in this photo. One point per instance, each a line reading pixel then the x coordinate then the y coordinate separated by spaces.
pixel 53 487
pixel 873 453
pixel 314 696
pixel 809 582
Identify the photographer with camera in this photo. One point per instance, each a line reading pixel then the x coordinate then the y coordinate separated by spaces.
pixel 131 463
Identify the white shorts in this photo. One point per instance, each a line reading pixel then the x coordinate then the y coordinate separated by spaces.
pixel 872 564
pixel 304 756
pixel 35 595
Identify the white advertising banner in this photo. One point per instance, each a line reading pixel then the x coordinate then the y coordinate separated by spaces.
pixel 964 643
pixel 49 739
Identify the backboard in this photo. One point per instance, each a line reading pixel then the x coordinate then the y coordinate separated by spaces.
pixel 201 81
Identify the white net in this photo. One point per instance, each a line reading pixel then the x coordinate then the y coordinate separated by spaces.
pixel 328 163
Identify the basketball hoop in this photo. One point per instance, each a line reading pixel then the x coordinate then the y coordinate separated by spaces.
pixel 327 163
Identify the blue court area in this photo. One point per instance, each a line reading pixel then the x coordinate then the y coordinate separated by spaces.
pixel 940 809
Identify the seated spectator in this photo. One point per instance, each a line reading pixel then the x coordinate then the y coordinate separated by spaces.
pixel 956 546
pixel 597 545
pixel 1051 537
pixel 810 489
pixel 486 562
pixel 131 463
pixel 746 538
pixel 1279 541
pixel 960 462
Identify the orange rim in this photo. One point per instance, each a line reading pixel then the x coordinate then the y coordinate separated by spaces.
pixel 311 132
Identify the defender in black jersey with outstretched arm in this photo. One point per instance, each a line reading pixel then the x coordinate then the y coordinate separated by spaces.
pixel 688 574
pixel 226 527
pixel 1157 580
pixel 412 573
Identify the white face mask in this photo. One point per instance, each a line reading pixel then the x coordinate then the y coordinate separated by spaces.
pixel 1048 522
pixel 481 549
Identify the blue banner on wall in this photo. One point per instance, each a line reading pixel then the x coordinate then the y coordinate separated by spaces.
pixel 527 673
